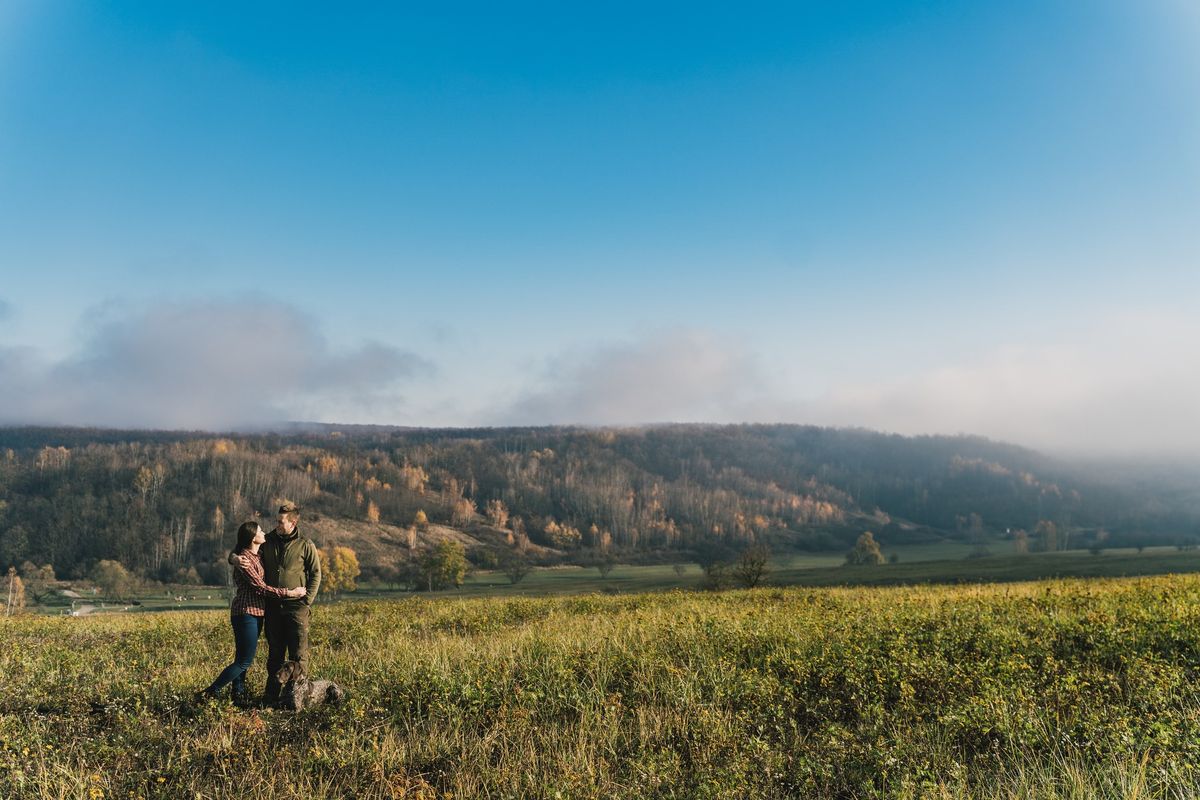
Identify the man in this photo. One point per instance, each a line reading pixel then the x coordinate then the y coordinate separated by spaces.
pixel 289 562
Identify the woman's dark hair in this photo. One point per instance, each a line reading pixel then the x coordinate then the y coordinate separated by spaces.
pixel 246 535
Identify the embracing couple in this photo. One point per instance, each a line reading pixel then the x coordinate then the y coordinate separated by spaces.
pixel 277 576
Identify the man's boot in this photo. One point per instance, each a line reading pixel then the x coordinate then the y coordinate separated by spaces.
pixel 270 697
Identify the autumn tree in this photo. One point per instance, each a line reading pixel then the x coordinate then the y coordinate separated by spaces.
pixel 372 512
pixel 420 519
pixel 1020 542
pixel 561 535
pixel 345 564
pixel 462 513
pixel 339 569
pixel 143 481
pixel 497 513
pixel 329 576
pixel 520 539
pixel 865 551
pixel 112 578
pixel 414 478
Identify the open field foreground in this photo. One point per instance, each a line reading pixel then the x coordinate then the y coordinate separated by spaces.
pixel 1073 689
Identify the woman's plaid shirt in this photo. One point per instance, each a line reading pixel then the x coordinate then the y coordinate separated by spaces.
pixel 251 589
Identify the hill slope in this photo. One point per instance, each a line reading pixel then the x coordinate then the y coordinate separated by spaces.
pixel 166 504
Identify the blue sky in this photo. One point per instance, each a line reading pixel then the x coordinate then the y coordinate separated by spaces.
pixel 922 217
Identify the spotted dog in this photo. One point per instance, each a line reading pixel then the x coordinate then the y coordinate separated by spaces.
pixel 299 692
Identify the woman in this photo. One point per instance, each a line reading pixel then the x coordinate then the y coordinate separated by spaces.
pixel 246 610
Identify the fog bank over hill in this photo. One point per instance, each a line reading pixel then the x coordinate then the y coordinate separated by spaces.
pixel 1127 388
pixel 1123 387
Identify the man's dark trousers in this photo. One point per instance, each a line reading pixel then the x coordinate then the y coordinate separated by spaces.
pixel 287 633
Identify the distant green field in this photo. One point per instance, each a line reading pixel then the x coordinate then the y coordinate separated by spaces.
pixel 948 564
pixel 937 563
pixel 1048 690
pixel 1070 564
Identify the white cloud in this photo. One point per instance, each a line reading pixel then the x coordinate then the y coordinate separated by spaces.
pixel 207 365
pixel 671 376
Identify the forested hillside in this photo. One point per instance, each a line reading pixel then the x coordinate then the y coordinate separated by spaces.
pixel 167 504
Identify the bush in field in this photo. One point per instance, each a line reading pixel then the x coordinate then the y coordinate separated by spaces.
pixel 515 567
pixel 865 551
pixel 714 559
pixel 980 551
pixel 603 560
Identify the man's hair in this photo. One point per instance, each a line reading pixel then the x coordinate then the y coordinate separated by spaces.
pixel 291 510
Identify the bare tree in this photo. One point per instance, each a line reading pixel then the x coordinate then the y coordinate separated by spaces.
pixel 515 567
pixel 16 594
pixel 605 563
pixel 751 568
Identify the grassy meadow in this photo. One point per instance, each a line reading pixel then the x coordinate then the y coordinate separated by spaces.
pixel 1058 689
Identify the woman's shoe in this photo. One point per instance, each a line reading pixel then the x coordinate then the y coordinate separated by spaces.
pixel 203 696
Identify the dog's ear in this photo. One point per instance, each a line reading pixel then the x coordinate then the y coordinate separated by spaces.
pixel 284 674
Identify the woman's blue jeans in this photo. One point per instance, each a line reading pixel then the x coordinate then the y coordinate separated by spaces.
pixel 246 630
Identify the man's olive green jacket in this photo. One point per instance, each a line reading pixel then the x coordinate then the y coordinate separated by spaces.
pixel 290 562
